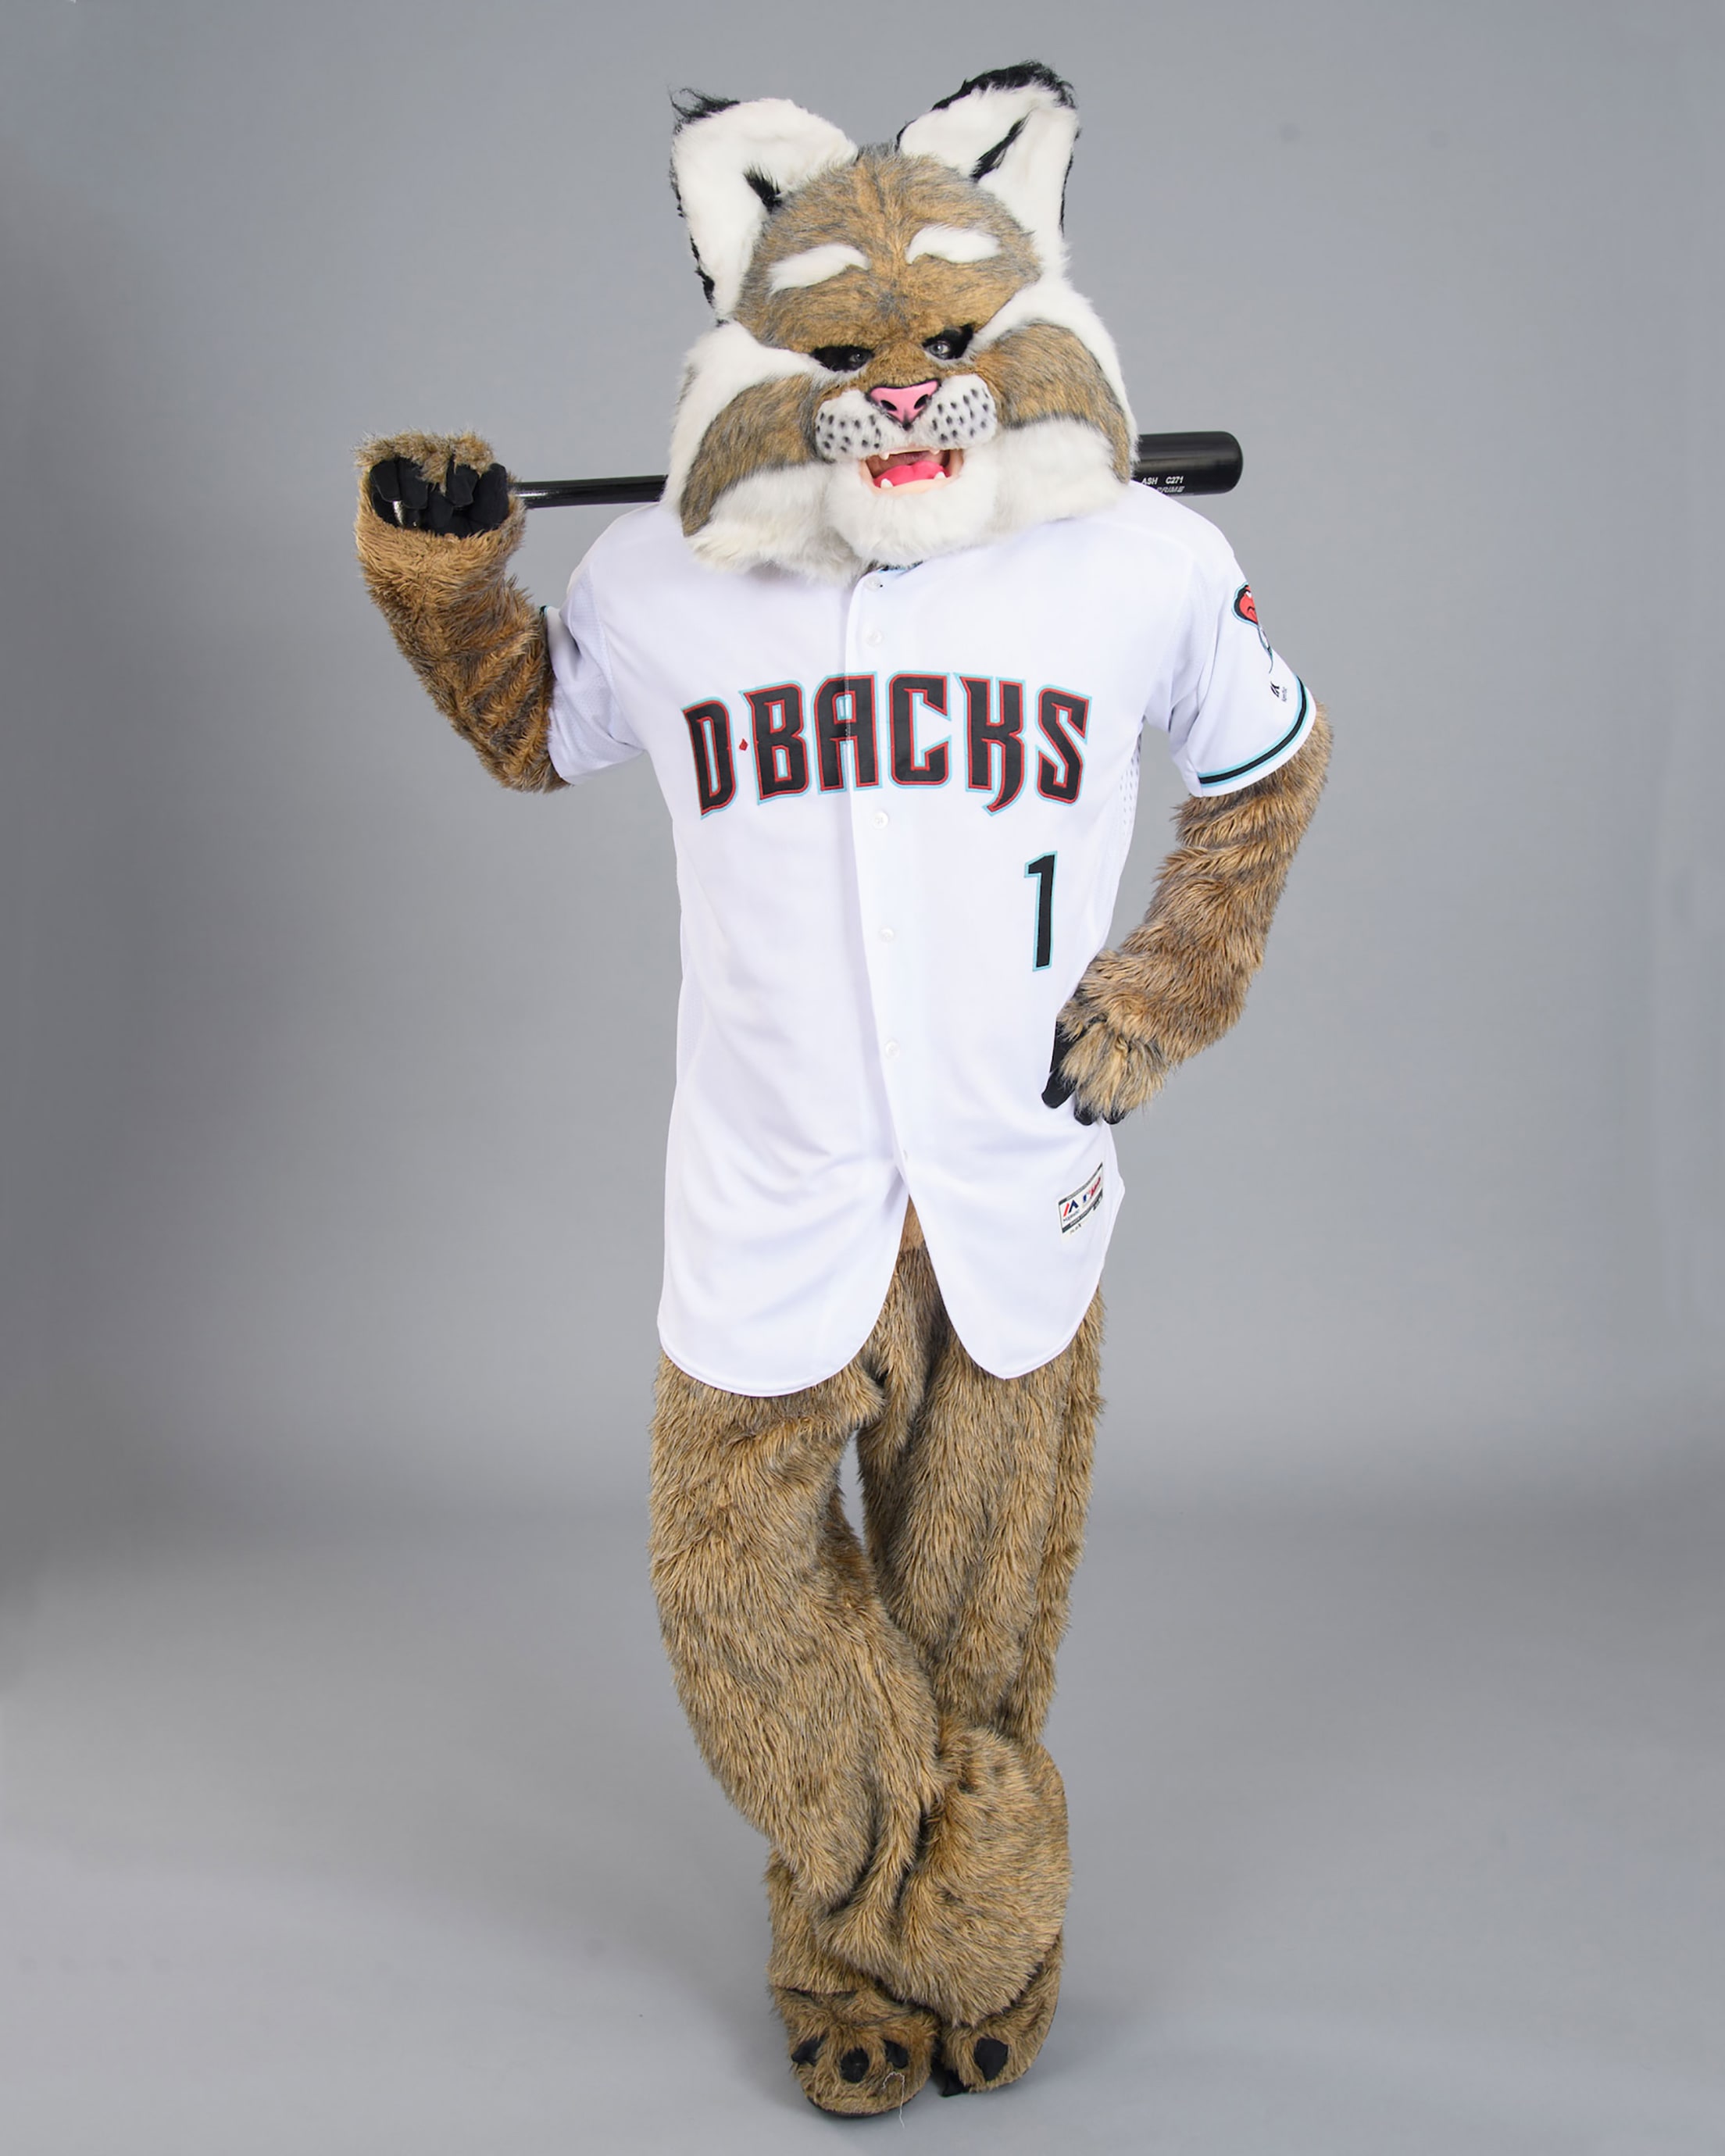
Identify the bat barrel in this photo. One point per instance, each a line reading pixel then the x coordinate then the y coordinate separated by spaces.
pixel 1188 464
pixel 1172 463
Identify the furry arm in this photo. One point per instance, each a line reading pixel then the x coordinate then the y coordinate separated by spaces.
pixel 1179 980
pixel 469 631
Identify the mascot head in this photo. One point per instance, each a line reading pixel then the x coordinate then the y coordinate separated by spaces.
pixel 900 367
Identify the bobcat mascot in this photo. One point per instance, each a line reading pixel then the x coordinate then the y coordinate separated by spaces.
pixel 891 638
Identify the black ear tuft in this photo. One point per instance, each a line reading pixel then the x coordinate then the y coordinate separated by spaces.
pixel 695 105
pixel 991 160
pixel 770 196
pixel 1028 74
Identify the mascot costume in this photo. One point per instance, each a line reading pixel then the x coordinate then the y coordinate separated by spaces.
pixel 891 638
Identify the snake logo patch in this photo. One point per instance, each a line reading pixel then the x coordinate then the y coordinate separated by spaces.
pixel 1246 607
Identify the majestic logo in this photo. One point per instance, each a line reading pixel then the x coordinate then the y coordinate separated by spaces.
pixel 843 749
pixel 1246 607
pixel 1079 1204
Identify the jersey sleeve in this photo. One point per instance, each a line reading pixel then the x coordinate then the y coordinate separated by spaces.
pixel 1239 709
pixel 588 732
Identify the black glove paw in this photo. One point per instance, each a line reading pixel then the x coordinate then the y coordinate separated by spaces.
pixel 1061 1089
pixel 467 502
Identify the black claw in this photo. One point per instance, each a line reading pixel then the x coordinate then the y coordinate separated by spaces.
pixel 948 2081
pixel 991 2056
pixel 808 2051
pixel 398 494
pixel 1059 1088
pixel 853 2065
pixel 490 499
pixel 896 2055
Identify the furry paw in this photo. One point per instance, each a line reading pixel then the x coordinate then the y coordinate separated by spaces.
pixel 1104 1072
pixel 424 483
pixel 989 2054
pixel 857 2051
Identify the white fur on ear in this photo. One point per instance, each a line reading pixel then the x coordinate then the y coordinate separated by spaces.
pixel 1012 133
pixel 729 163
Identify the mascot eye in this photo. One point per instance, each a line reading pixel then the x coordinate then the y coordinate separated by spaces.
pixel 842 359
pixel 951 344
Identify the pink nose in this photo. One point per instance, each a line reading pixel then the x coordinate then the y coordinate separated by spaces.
pixel 904 405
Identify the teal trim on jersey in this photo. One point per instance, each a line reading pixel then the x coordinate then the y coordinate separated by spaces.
pixel 1239 770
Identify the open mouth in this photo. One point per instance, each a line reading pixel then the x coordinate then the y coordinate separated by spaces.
pixel 912 471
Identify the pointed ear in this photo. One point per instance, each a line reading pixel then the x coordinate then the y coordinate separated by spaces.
pixel 729 165
pixel 1012 131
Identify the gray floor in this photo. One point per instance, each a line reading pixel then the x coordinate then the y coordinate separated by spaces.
pixel 1400 1833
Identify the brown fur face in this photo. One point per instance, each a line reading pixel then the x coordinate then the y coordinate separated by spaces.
pixel 888 272
pixel 878 205
pixel 893 310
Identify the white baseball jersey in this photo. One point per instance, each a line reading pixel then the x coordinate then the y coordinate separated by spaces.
pixel 901 811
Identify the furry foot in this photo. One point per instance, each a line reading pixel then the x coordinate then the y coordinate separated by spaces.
pixel 855 2048
pixel 956 1919
pixel 989 2054
pixel 857 2051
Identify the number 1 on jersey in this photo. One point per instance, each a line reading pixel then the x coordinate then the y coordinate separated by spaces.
pixel 1042 868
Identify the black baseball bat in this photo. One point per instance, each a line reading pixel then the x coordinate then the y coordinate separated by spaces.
pixel 1172 463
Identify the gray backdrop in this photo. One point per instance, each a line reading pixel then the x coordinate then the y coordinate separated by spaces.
pixel 345 1803
pixel 340 1077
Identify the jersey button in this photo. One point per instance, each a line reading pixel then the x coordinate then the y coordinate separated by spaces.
pixel 873 636
pixel 887 935
pixel 881 819
pixel 889 1048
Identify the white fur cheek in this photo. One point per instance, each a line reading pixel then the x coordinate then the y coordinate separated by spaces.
pixel 848 427
pixel 1052 299
pixel 879 525
pixel 962 414
pixel 780 519
pixel 1051 469
pixel 719 368
pixel 826 521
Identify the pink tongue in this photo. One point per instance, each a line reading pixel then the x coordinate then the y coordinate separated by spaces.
pixel 901 474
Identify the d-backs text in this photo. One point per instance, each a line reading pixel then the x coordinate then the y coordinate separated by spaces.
pixel 843 749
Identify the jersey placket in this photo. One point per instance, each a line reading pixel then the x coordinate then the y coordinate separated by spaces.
pixel 882 854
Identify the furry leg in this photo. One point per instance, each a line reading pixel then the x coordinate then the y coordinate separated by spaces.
pixel 976 1492
pixel 929 1853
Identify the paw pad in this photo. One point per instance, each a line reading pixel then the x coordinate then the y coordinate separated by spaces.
pixel 853 2064
pixel 897 2056
pixel 808 2051
pixel 991 2056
